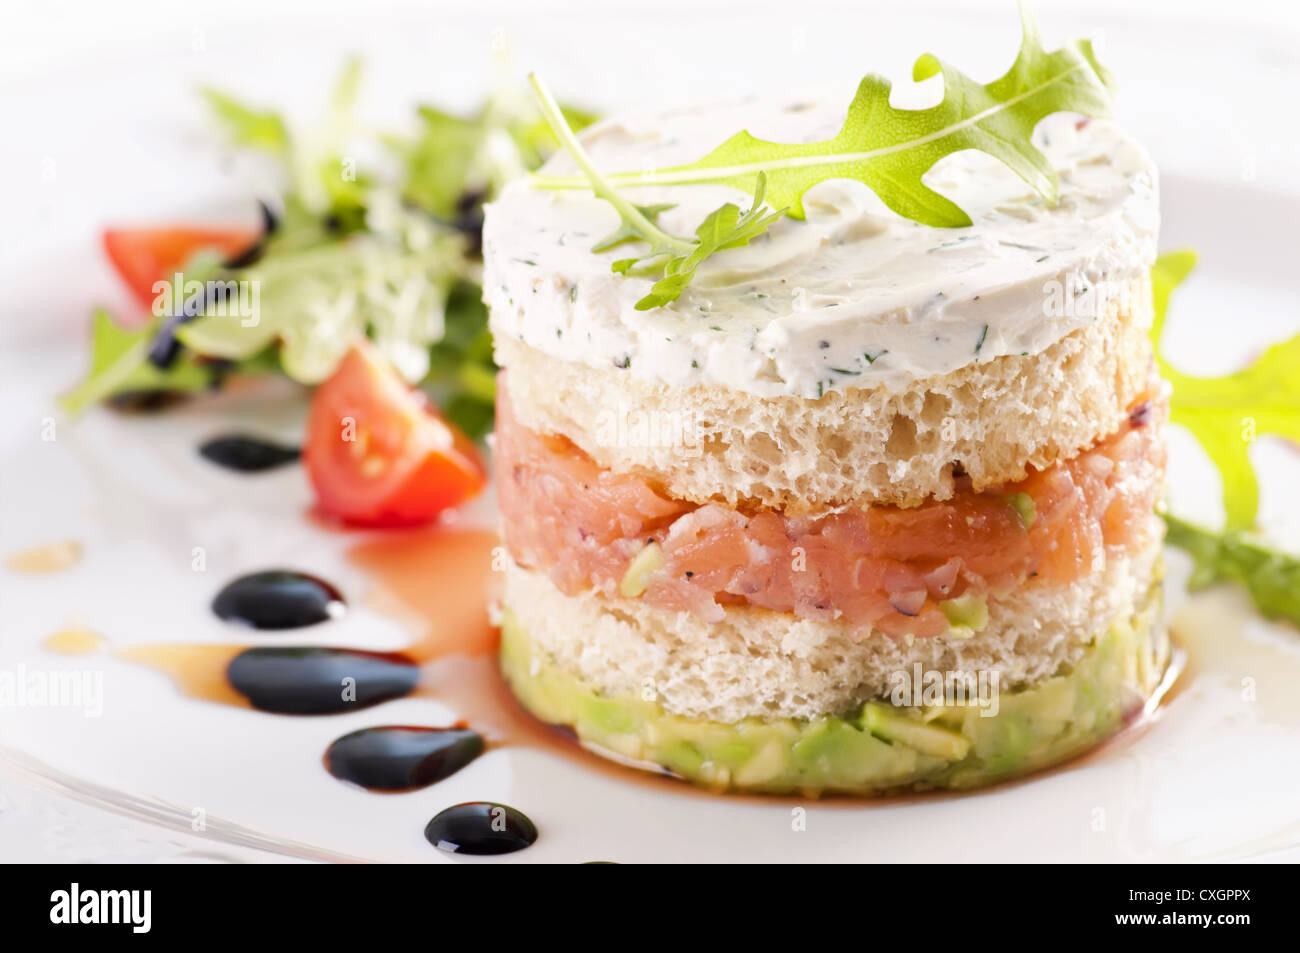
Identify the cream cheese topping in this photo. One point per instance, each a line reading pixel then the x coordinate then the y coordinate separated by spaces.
pixel 853 296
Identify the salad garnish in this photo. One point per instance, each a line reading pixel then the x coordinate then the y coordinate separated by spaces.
pixel 1225 414
pixel 888 149
pixel 385 251
pixel 1272 578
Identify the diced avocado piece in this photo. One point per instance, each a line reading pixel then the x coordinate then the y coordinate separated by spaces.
pixel 1025 508
pixel 732 754
pixel 835 751
pixel 885 722
pixel 1055 700
pixel 966 614
pixel 1008 744
pixel 764 765
pixel 681 757
pixel 714 775
pixel 708 736
pixel 643 565
pixel 824 743
pixel 610 715
pixel 628 745
pixel 881 747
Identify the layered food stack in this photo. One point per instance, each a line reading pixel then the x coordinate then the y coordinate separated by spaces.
pixel 871 505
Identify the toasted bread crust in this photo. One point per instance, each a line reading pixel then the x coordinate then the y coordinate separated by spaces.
pixel 855 447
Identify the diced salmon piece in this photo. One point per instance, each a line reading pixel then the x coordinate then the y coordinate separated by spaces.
pixel 880 567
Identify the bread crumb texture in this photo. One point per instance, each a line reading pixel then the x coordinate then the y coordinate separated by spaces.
pixel 853 447
pixel 765 664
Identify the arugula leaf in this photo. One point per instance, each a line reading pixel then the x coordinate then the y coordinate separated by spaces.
pixel 671 260
pixel 534 138
pixel 1272 578
pixel 1226 413
pixel 890 149
pixel 661 243
pixel 724 227
pixel 119 365
pixel 1223 413
pixel 627 232
pixel 886 148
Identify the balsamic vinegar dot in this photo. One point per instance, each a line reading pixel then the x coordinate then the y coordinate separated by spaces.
pixel 481 828
pixel 319 681
pixel 278 599
pixel 401 757
pixel 246 454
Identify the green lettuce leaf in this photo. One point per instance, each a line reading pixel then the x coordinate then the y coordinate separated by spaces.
pixel 248 126
pixel 440 160
pixel 352 255
pixel 322 176
pixel 1272 578
pixel 389 283
pixel 890 149
pixel 457 161
pixel 119 365
pixel 1226 413
pixel 462 375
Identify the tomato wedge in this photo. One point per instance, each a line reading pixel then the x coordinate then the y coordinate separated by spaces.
pixel 143 256
pixel 378 453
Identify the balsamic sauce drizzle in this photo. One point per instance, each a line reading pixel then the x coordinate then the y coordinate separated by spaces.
pixel 247 454
pixel 314 680
pixel 482 828
pixel 402 757
pixel 278 599
pixel 320 680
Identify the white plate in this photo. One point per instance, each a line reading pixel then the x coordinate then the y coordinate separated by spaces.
pixel 1213 777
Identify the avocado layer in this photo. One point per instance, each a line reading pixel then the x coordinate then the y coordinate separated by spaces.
pixel 879 748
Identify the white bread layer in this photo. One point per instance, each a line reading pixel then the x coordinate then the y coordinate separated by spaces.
pixel 764 664
pixel 852 447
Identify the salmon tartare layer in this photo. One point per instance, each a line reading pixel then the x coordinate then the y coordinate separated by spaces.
pixel 916 572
